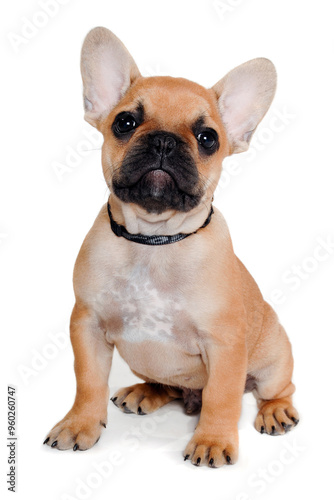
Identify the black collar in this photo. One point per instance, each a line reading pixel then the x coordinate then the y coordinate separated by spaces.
pixel 151 240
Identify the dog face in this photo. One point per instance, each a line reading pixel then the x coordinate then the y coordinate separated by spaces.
pixel 165 138
pixel 164 144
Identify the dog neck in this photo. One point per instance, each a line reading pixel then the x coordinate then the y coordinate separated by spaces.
pixel 137 220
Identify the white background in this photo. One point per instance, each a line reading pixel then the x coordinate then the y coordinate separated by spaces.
pixel 278 204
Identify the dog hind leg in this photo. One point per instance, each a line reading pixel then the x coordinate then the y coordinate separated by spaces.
pixel 144 398
pixel 273 390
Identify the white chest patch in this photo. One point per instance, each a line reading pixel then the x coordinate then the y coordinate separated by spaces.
pixel 147 313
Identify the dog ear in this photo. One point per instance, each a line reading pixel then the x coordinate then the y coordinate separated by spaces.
pixel 107 71
pixel 244 96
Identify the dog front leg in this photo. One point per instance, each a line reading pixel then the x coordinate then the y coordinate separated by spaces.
pixel 215 441
pixel 81 427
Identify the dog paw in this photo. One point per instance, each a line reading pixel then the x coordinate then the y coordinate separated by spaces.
pixel 77 431
pixel 276 417
pixel 143 398
pixel 213 450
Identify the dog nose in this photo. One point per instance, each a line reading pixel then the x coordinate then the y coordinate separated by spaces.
pixel 163 144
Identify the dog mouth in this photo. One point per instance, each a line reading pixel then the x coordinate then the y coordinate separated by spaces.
pixel 157 191
pixel 156 182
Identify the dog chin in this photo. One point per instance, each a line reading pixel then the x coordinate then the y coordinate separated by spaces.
pixel 156 192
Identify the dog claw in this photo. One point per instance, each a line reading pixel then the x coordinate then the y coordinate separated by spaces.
pixel 198 461
pixel 114 399
pixel 186 457
pixel 54 444
pixel 47 440
pixel 140 411
pixel 75 447
pixel 295 420
pixel 262 429
pixel 228 459
pixel 103 425
pixel 125 408
pixel 211 462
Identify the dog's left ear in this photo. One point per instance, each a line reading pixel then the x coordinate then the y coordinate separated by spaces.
pixel 107 70
pixel 244 96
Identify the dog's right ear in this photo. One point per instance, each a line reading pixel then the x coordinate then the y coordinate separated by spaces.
pixel 107 71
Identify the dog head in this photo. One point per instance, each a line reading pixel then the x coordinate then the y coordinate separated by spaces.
pixel 165 138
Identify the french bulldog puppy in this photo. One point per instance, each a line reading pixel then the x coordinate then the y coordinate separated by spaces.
pixel 156 276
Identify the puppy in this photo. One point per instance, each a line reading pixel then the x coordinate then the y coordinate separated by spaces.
pixel 156 276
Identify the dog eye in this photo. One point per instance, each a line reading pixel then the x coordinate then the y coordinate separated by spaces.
pixel 124 123
pixel 207 139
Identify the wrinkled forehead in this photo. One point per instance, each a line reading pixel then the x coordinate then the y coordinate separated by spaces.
pixel 172 102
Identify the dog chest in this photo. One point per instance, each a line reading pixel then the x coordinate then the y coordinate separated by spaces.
pixel 147 312
pixel 152 327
